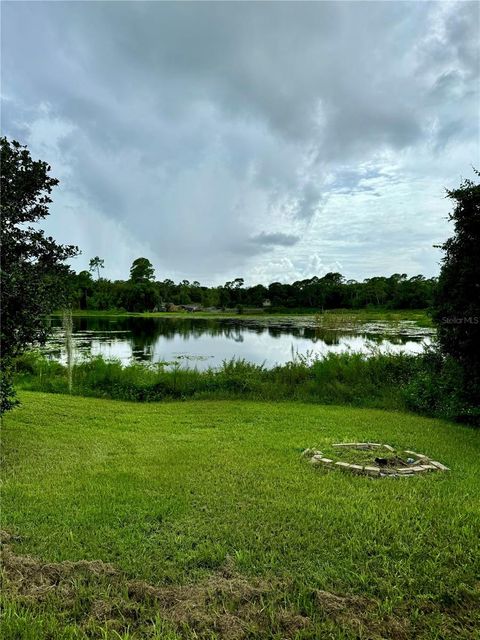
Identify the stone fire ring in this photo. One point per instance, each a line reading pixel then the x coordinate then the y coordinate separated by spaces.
pixel 422 464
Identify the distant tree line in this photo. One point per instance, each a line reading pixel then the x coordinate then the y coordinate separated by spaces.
pixel 142 293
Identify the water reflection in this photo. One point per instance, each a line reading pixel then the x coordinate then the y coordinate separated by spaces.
pixel 207 342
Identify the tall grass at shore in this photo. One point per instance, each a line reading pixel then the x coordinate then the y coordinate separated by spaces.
pixel 373 380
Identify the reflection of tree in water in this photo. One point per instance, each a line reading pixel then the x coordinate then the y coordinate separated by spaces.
pixel 397 339
pixel 142 334
pixel 234 333
pixel 330 338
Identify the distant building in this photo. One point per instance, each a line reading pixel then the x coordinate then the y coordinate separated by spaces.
pixel 266 303
pixel 190 307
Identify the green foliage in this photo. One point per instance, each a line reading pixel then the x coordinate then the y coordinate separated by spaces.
pixel 328 292
pixel 8 398
pixel 96 264
pixel 457 300
pixel 365 380
pixel 34 278
pixel 142 270
pixel 437 388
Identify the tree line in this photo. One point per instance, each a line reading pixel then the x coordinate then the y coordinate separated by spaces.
pixel 142 293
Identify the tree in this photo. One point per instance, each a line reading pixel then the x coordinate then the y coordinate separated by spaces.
pixel 140 296
pixel 457 299
pixel 142 270
pixel 83 284
pixel 96 263
pixel 34 278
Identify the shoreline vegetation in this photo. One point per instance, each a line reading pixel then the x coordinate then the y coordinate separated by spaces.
pixel 366 380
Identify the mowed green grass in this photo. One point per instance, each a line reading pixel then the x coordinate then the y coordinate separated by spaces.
pixel 172 493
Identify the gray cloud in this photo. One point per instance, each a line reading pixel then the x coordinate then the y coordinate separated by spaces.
pixel 186 129
pixel 275 239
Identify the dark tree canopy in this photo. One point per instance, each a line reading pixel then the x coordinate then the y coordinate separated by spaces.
pixel 457 300
pixel 327 292
pixel 142 270
pixel 34 278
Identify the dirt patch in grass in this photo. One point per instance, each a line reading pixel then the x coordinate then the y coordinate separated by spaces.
pixel 358 612
pixel 225 605
pixel 29 577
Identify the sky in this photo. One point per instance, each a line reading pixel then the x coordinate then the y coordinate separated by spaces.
pixel 273 141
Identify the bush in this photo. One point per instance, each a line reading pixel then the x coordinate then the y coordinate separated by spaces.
pixel 438 388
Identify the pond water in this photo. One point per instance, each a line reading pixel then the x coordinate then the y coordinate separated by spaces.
pixel 205 342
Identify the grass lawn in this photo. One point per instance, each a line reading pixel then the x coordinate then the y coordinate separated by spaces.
pixel 207 523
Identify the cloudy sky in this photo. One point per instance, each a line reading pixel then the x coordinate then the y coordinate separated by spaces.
pixel 273 141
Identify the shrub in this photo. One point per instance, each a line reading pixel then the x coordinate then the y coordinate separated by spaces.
pixel 437 388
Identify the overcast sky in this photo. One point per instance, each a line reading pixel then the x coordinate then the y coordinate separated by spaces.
pixel 273 141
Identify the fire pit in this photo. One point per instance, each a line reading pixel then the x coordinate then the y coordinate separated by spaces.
pixel 375 459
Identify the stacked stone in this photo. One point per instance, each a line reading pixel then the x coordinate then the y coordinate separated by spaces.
pixel 422 464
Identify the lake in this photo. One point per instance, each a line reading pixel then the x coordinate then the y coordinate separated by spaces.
pixel 205 342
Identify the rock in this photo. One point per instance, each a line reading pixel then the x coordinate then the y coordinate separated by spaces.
pixel 388 447
pixel 343 465
pixel 356 468
pixel 326 460
pixel 439 465
pixel 371 471
pixel 308 453
pixel 425 467
pixel 420 456
pixel 389 471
